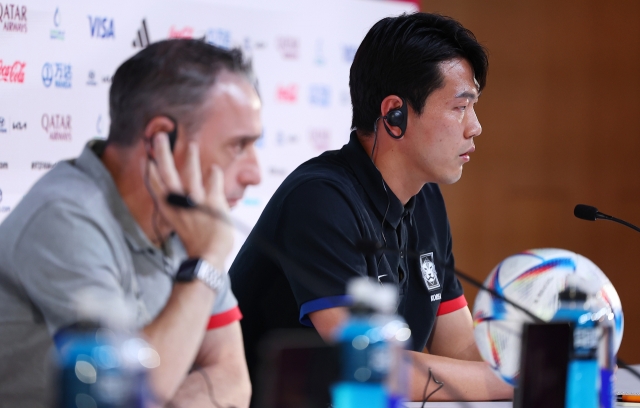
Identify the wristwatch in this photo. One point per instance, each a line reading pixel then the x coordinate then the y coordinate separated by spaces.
pixel 199 268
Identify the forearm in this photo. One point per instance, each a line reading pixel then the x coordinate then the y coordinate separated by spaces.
pixel 463 380
pixel 177 333
pixel 221 386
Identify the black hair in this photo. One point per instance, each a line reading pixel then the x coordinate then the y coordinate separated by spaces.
pixel 171 77
pixel 401 56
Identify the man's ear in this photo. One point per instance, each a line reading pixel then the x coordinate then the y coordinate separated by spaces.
pixel 393 110
pixel 159 124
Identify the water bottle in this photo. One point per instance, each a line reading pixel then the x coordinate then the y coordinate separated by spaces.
pixel 101 363
pixel 606 352
pixel 373 369
pixel 583 373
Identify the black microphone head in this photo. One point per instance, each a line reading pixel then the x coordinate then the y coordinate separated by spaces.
pixel 585 212
pixel 367 246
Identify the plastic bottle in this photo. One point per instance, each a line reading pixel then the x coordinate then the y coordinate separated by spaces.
pixel 374 374
pixel 101 363
pixel 583 374
pixel 606 352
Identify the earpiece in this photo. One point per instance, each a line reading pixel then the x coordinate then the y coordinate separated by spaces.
pixel 173 135
pixel 396 117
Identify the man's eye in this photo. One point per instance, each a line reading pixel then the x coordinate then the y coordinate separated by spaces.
pixel 240 146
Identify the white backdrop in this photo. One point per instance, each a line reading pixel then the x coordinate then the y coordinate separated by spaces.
pixel 57 58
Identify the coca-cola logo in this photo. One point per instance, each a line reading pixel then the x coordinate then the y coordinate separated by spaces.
pixel 186 32
pixel 12 72
pixel 57 126
pixel 287 93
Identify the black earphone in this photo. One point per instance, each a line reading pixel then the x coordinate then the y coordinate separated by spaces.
pixel 173 135
pixel 396 117
pixel 176 200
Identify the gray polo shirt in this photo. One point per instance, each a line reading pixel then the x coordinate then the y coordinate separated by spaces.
pixel 73 231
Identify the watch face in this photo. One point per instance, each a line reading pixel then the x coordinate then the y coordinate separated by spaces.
pixel 187 271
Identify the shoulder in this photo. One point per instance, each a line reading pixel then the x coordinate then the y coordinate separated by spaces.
pixel 328 168
pixel 61 196
pixel 317 182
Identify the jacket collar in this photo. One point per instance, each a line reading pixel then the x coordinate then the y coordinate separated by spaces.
pixel 384 200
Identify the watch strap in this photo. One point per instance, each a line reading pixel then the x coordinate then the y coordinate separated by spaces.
pixel 211 276
pixel 198 268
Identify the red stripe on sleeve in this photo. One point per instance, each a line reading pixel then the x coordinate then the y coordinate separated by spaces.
pixel 224 318
pixel 451 305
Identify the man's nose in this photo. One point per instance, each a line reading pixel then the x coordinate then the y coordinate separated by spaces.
pixel 473 125
pixel 250 172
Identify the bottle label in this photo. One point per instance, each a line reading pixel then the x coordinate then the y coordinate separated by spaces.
pixel 585 338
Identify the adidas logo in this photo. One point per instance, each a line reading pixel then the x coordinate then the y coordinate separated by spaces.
pixel 142 39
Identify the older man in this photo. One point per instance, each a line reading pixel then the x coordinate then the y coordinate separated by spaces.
pixel 184 119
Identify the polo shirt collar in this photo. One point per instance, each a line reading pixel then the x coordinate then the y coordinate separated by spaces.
pixel 370 178
pixel 89 163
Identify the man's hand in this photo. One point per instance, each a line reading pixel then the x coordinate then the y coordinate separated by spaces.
pixel 455 361
pixel 204 235
pixel 178 331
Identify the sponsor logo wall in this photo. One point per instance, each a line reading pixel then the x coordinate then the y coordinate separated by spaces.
pixel 58 58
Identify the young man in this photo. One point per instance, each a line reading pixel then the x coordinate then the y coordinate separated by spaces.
pixel 414 82
pixel 100 225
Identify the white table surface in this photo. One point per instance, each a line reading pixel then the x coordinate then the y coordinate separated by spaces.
pixel 624 381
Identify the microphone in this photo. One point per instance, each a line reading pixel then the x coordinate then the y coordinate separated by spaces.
pixel 589 213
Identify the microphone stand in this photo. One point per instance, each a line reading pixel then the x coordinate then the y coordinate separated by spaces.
pixel 603 216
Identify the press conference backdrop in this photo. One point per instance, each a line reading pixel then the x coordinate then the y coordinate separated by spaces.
pixel 57 59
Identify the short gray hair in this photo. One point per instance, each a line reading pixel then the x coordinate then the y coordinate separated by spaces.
pixel 172 78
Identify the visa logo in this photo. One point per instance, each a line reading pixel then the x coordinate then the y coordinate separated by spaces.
pixel 101 27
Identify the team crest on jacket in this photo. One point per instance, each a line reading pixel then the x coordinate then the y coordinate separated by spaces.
pixel 428 269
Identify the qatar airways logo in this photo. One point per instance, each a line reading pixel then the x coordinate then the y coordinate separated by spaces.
pixel 289 47
pixel 12 72
pixel 287 93
pixel 57 126
pixel 13 17
pixel 320 139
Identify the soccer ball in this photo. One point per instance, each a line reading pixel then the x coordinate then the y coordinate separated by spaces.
pixel 533 279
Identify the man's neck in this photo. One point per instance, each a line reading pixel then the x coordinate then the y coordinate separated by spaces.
pixel 394 169
pixel 124 165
